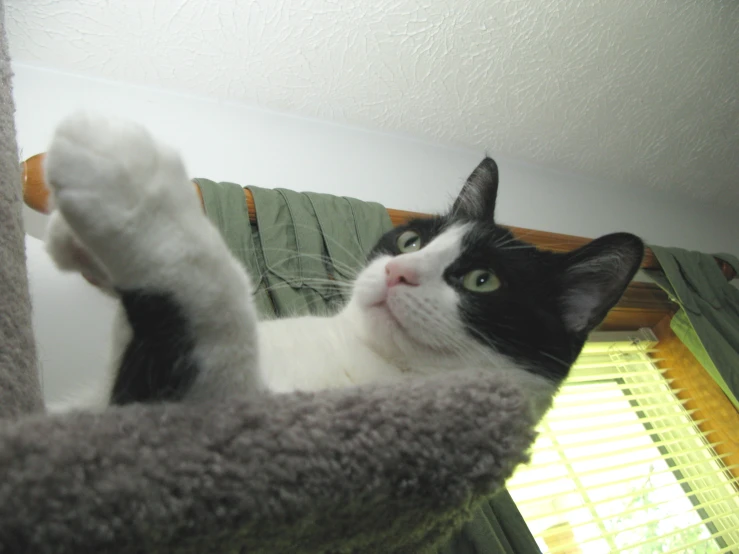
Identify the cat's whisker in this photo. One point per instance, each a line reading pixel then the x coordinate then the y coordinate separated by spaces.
pixel 351 255
pixel 519 247
pixel 320 281
pixel 344 268
pixel 310 304
pixel 504 241
pixel 554 358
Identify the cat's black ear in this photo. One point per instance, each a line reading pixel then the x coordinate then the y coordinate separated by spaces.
pixel 594 278
pixel 477 199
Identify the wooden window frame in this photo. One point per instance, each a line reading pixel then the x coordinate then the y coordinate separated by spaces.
pixel 714 413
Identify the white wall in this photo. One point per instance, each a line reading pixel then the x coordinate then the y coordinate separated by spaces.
pixel 225 141
pixel 72 323
pixel 246 145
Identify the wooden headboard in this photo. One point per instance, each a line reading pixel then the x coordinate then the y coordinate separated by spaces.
pixel 643 304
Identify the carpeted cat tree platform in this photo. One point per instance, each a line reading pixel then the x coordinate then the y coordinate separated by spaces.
pixel 374 469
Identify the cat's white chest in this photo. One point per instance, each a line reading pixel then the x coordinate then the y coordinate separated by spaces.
pixel 315 353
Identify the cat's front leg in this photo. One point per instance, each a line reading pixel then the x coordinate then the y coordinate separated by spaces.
pixel 128 200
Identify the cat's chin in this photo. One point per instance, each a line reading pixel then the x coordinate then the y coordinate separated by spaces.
pixel 388 330
pixel 384 313
pixel 385 329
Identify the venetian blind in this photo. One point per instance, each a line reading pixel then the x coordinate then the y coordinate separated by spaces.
pixel 621 466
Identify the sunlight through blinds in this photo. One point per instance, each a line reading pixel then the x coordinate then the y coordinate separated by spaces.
pixel 621 467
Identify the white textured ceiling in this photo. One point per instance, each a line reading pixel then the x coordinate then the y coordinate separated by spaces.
pixel 638 92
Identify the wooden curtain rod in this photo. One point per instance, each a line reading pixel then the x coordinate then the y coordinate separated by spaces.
pixel 36 196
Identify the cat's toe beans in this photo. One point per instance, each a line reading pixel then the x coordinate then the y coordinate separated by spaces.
pixel 67 251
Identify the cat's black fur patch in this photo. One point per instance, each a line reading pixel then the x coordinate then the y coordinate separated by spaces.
pixel 157 364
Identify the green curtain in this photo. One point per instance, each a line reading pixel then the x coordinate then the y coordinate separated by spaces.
pixel 708 319
pixel 497 527
pixel 302 251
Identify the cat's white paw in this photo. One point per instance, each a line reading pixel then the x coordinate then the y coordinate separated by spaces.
pixel 127 208
pixel 119 190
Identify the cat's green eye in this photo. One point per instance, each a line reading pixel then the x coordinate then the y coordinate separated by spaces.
pixel 409 241
pixel 481 280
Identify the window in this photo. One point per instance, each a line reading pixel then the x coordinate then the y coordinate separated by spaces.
pixel 621 466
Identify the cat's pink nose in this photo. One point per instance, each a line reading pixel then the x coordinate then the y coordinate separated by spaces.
pixel 397 273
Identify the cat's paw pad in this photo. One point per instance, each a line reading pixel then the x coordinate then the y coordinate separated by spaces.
pixel 104 171
pixel 68 253
pixel 94 158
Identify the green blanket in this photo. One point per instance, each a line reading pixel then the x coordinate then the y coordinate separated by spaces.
pixel 303 245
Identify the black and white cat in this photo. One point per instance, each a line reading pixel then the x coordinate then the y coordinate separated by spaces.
pixel 452 293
